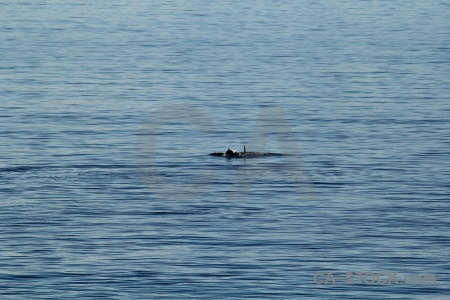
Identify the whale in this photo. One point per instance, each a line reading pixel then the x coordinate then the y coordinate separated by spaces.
pixel 237 154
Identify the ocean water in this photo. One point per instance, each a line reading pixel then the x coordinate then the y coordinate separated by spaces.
pixel 109 109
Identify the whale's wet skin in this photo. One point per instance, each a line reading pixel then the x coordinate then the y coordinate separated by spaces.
pixel 232 153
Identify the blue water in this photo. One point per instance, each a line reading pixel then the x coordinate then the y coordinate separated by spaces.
pixel 108 110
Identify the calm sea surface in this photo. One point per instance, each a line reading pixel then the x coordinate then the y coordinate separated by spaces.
pixel 108 110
